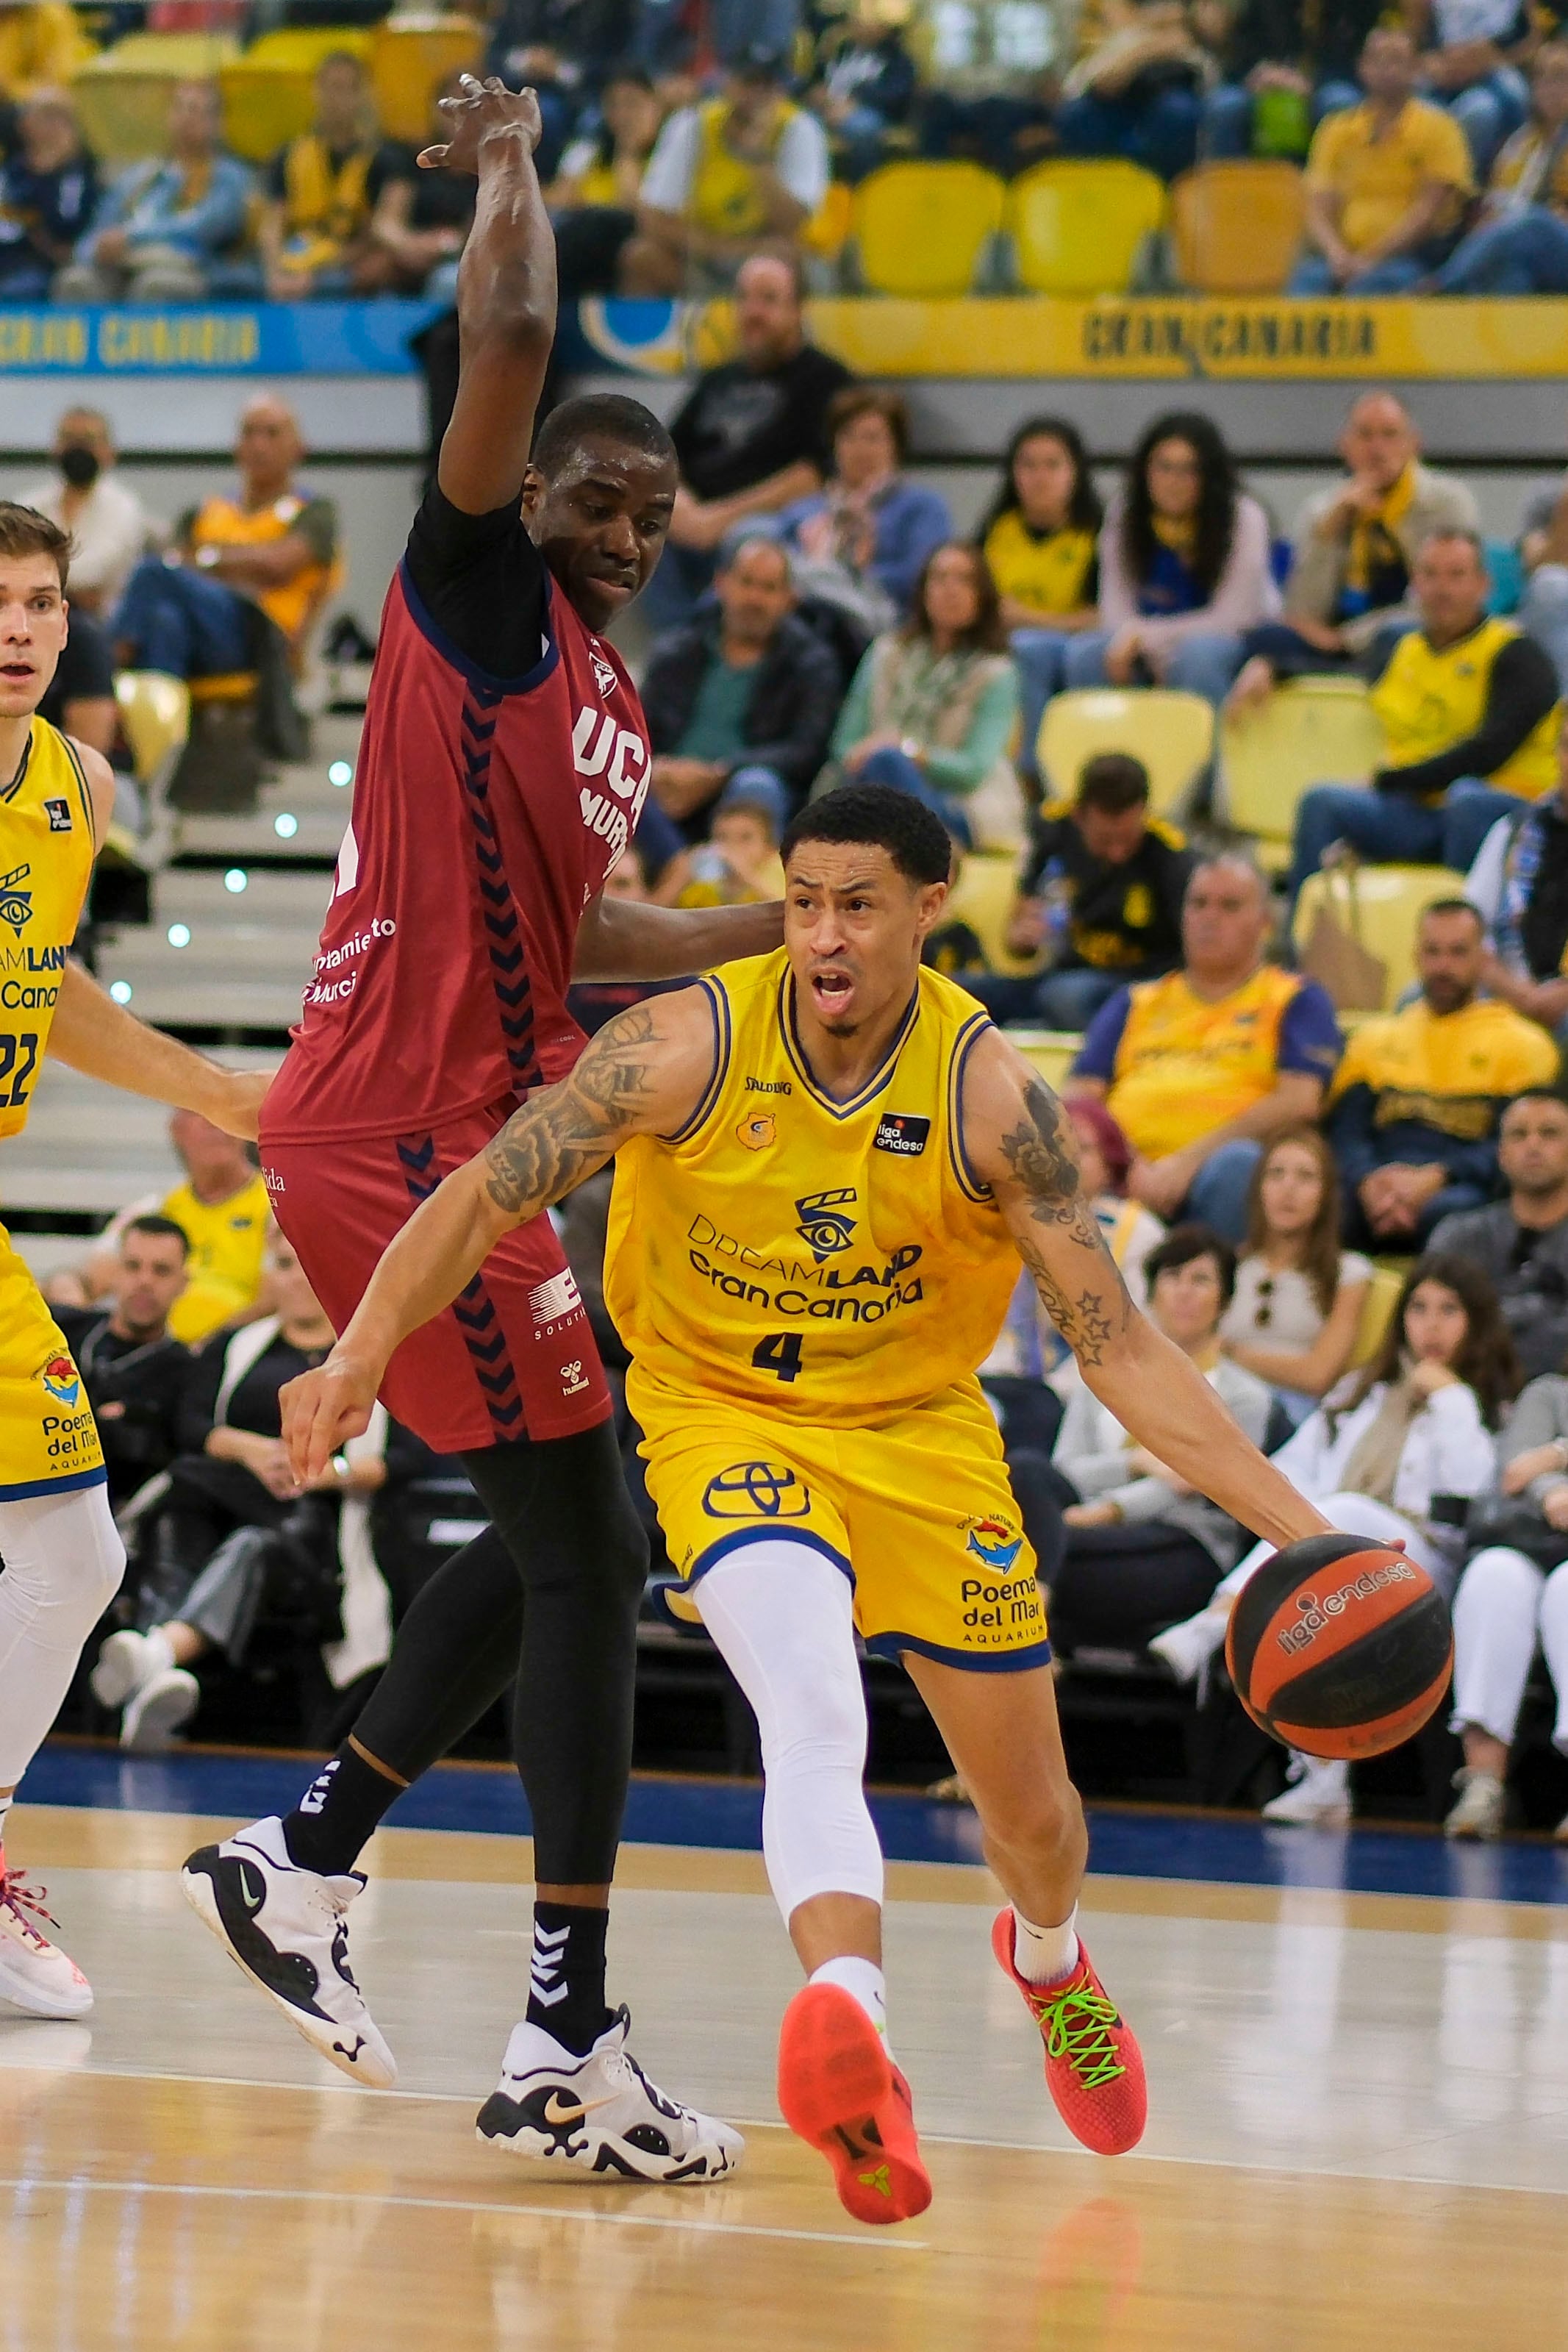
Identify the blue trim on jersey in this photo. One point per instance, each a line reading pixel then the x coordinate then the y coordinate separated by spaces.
pixel 9 792
pixel 881 1077
pixel 456 659
pixel 82 786
pixel 767 1531
pixel 967 1037
pixel 718 1004
pixel 1005 1662
pixel 32 1488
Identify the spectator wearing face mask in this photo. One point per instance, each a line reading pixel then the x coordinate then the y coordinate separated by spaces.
pixel 86 495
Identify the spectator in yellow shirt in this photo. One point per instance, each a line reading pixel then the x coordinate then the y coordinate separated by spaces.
pixel 41 47
pixel 1201 1068
pixel 1419 1095
pixel 1386 182
pixel 1040 539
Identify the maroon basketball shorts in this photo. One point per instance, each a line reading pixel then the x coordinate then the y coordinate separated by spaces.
pixel 514 1357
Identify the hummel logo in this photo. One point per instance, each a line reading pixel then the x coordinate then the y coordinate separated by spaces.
pixel 557 2112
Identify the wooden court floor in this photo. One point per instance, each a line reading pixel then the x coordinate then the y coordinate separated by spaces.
pixel 1359 2135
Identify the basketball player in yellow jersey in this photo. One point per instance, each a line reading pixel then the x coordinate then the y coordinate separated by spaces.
pixel 63 1558
pixel 828 1166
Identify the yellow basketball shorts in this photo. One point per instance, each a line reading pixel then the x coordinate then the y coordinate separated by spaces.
pixel 918 1512
pixel 48 1441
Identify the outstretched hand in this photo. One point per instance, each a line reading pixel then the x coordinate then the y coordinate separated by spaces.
pixel 323 1409
pixel 480 108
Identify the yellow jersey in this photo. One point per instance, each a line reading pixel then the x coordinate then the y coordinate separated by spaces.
pixel 1378 175
pixel 725 199
pixel 834 1262
pixel 228 1240
pixel 1050 571
pixel 1450 1071
pixel 224 522
pixel 1431 697
pixel 1183 1065
pixel 46 849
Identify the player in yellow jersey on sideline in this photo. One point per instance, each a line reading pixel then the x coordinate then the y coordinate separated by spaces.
pixel 828 1166
pixel 63 1557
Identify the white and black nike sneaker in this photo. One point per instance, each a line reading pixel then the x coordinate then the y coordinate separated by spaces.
pixel 285 1928
pixel 600 2114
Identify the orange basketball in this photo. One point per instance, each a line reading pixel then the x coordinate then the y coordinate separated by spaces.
pixel 1340 1647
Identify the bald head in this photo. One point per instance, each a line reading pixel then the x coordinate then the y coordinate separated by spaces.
pixel 269 445
pixel 1379 440
pixel 1226 919
pixel 769 292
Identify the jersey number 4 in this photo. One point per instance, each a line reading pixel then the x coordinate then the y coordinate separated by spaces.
pixel 779 1354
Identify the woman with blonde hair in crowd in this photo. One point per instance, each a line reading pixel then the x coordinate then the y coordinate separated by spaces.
pixel 1299 1296
pixel 1381 1458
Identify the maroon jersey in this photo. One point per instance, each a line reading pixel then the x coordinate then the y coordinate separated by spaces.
pixel 487 812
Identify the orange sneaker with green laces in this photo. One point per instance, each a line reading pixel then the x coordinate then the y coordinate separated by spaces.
pixel 1094 2067
pixel 840 2091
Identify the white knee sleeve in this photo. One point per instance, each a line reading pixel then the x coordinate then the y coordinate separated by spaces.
pixel 781 1615
pixel 1554 1641
pixel 1496 1610
pixel 63 1562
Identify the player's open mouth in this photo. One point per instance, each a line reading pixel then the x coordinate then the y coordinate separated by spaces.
pixel 832 991
pixel 19 670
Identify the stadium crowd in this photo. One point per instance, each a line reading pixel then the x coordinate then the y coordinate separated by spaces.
pixel 675 137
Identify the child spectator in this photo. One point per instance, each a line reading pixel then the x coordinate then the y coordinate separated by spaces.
pixel 1415 1426
pixel 1100 896
pixel 323 190
pixel 171 229
pixel 739 864
pixel 1039 540
pixel 1184 568
pixel 49 188
pixel 864 540
pixel 1386 183
pixel 933 708
pixel 1299 1296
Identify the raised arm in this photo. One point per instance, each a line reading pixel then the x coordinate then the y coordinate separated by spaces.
pixel 505 295
pixel 644 1074
pixel 621 939
pixel 1018 1141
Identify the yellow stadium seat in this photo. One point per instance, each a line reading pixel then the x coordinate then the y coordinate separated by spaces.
pixel 1376 1307
pixel 1237 227
pixel 1172 734
pixel 1077 228
pixel 921 228
pixel 982 897
pixel 827 231
pixel 1311 731
pixel 123 94
pixel 269 94
pixel 411 55
pixel 1379 907
pixel 1051 1051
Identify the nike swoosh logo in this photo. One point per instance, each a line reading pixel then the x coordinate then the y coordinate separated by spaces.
pixel 557 2112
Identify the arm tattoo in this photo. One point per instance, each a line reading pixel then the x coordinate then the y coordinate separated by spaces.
pixel 567 1131
pixel 1087 1301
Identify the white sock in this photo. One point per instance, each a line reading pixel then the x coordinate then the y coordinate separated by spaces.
pixel 863 1981
pixel 4 1809
pixel 1045 1955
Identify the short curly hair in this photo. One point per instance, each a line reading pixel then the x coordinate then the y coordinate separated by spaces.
pixel 913 836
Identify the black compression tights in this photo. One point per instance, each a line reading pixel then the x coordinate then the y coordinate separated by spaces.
pixel 566 1558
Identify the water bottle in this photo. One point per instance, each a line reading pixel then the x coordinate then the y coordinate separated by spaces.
pixel 1056 911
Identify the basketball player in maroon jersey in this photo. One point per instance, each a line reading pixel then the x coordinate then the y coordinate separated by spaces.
pixel 503 768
